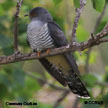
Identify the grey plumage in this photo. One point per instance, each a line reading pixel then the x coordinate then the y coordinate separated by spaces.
pixel 38 36
pixel 44 33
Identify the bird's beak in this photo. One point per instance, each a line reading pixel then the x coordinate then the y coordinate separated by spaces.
pixel 26 15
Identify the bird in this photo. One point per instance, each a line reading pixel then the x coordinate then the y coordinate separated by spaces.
pixel 44 34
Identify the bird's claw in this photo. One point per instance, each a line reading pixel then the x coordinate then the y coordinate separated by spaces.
pixel 48 51
pixel 38 54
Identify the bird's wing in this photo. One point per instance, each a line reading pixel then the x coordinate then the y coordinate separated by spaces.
pixel 52 70
pixel 60 40
pixel 50 67
pixel 66 63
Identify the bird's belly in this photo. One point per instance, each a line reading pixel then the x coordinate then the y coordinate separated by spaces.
pixel 40 38
pixel 60 62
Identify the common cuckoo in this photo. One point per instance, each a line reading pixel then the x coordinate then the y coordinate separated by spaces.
pixel 43 34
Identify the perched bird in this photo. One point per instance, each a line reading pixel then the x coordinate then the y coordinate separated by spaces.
pixel 43 34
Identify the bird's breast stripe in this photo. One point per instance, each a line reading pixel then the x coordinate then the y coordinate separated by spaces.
pixel 41 38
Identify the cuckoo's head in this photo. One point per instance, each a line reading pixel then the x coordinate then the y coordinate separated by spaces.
pixel 40 14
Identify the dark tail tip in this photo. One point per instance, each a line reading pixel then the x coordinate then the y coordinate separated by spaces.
pixel 80 91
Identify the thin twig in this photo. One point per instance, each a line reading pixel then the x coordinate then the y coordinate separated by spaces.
pixel 75 47
pixel 87 60
pixel 78 14
pixel 102 84
pixel 95 28
pixel 99 18
pixel 46 82
pixel 63 96
pixel 75 105
pixel 18 6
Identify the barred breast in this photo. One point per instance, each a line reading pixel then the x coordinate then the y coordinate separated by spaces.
pixel 38 36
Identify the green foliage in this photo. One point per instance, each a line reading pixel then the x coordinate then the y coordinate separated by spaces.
pixel 3 91
pixel 106 75
pixel 76 3
pixel 41 105
pixel 15 84
pixel 5 41
pixel 91 106
pixel 82 33
pixel 106 1
pixel 98 4
pixel 32 84
pixel 90 79
pixel 1 10
pixel 8 50
pixel 105 98
pixel 8 4
pixel 102 24
pixel 56 2
pixel 92 58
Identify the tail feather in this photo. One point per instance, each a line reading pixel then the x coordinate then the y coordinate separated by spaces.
pixel 66 76
pixel 76 85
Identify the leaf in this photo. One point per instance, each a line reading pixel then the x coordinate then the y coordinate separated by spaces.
pixel 76 3
pixel 98 4
pixel 102 25
pixel 56 2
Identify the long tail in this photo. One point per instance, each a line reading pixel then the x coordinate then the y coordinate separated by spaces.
pixel 76 85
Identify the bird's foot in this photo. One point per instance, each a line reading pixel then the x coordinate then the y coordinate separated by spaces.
pixel 38 53
pixel 48 51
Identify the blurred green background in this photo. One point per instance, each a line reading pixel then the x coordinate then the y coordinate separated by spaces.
pixel 23 81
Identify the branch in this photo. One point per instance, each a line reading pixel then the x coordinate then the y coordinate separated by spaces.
pixel 78 14
pixel 63 96
pixel 95 28
pixel 98 39
pixel 102 84
pixel 46 82
pixel 100 18
pixel 75 105
pixel 18 6
pixel 65 93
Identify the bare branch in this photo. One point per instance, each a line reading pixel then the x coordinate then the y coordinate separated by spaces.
pixel 99 18
pixel 95 28
pixel 98 38
pixel 45 82
pixel 75 105
pixel 87 60
pixel 63 96
pixel 102 84
pixel 78 14
pixel 18 6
